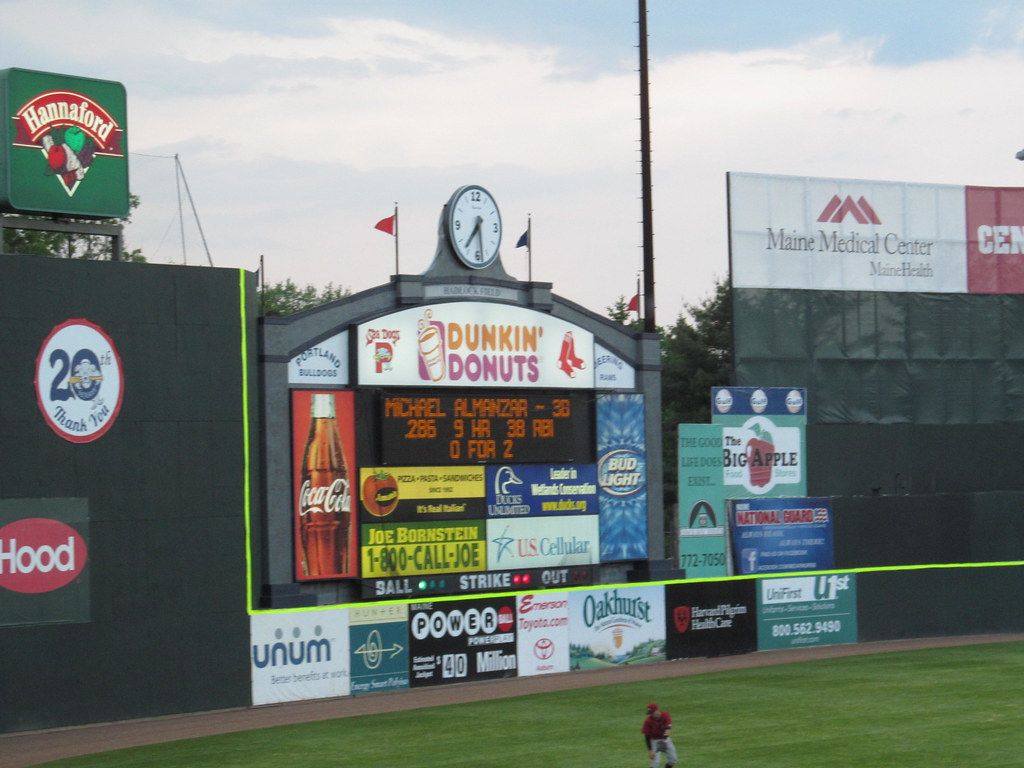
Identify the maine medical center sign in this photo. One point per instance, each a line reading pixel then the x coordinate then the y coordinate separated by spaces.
pixel 63 145
pixel 848 235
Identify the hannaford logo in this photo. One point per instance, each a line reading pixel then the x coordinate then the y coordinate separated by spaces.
pixel 38 554
pixel 621 472
pixel 70 130
pixel 79 381
pixel 502 353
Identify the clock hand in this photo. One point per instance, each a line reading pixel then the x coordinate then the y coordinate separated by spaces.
pixel 476 229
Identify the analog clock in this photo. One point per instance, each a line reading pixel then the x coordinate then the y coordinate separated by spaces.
pixel 473 224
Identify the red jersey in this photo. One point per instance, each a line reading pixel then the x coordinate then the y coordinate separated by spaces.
pixel 656 726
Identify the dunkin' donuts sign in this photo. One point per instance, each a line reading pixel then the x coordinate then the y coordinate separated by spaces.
pixel 851 235
pixel 64 145
pixel 474 344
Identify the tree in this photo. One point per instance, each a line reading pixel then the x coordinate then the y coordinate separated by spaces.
pixel 65 245
pixel 696 354
pixel 286 298
pixel 620 313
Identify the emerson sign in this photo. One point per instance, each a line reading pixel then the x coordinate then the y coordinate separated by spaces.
pixel 64 145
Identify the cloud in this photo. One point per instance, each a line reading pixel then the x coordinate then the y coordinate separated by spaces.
pixel 297 139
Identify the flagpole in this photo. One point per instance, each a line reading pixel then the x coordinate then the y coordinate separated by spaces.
pixel 529 252
pixel 638 294
pixel 396 237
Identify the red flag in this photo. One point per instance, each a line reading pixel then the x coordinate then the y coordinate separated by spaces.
pixel 386 225
pixel 634 304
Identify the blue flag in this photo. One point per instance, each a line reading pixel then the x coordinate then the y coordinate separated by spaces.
pixel 524 239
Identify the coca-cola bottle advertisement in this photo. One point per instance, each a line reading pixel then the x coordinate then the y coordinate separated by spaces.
pixel 323 460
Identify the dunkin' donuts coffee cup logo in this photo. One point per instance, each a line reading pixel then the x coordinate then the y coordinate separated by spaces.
pixel 70 131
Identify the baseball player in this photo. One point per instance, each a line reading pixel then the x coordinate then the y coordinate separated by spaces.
pixel 657 727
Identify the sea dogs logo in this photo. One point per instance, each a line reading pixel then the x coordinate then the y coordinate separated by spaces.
pixel 70 130
pixel 382 343
pixel 79 381
pixel 621 472
pixel 38 554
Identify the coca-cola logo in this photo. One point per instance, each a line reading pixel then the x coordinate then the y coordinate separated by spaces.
pixel 38 554
pixel 328 499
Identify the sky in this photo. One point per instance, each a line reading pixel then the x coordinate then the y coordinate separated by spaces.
pixel 299 125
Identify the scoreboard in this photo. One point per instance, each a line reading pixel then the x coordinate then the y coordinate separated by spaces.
pixel 426 428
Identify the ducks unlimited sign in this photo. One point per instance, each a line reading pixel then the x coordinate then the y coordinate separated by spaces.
pixel 64 145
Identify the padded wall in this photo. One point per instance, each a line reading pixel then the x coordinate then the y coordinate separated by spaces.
pixel 876 357
pixel 159 622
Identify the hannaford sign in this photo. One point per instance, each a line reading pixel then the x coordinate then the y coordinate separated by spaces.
pixel 64 145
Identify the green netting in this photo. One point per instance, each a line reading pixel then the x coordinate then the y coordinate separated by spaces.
pixel 885 357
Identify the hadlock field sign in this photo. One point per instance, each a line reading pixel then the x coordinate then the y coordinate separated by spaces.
pixel 64 145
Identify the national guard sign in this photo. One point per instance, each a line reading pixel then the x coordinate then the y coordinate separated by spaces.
pixel 64 145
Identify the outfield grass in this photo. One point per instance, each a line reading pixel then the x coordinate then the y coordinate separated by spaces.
pixel 961 706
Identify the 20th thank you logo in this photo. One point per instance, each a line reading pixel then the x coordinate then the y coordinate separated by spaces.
pixel 70 130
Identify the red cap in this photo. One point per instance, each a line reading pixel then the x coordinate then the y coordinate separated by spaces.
pixel 652 707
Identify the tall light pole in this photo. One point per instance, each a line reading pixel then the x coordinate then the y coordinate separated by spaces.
pixel 645 173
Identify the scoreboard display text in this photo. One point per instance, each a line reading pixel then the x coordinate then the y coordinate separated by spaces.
pixel 427 428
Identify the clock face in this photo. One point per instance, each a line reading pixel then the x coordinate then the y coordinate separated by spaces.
pixel 474 226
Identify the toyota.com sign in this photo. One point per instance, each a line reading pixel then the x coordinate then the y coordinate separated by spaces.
pixel 44 561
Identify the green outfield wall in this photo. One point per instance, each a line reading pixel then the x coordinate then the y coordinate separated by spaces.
pixel 123 471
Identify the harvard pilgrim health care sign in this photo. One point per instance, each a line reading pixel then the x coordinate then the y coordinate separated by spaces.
pixel 64 145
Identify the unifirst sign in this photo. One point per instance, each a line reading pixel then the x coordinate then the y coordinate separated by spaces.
pixel 63 145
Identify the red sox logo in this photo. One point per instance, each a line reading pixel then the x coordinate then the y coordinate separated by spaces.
pixel 681 616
